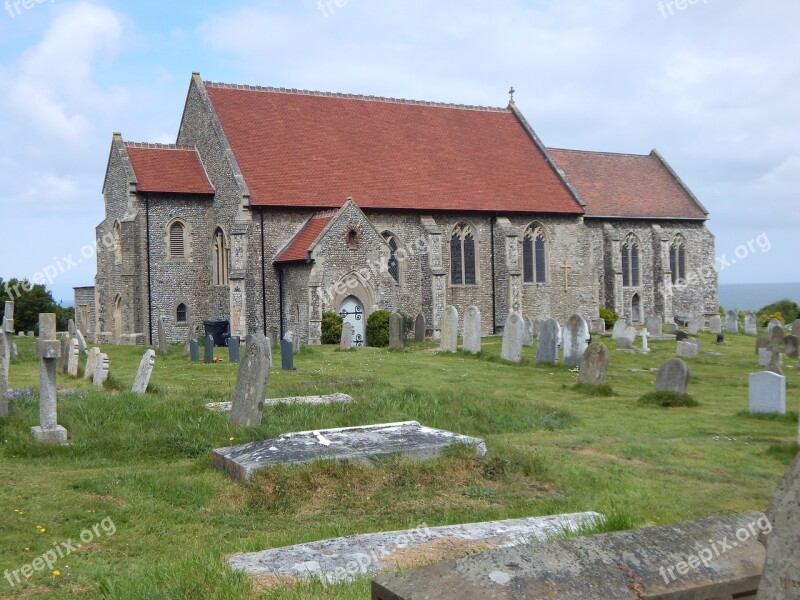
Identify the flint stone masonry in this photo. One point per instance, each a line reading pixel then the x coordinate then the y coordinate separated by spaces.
pixel 673 377
pixel 101 369
pixel 162 337
pixel 420 327
pixel 547 346
pixel 594 365
pixel 341 560
pixel 576 339
pixel 626 565
pixel 715 324
pixel 363 444
pixel 144 373
pixel 767 393
pixel 449 335
pixel 306 400
pixel 513 333
pixel 732 322
pixel 251 384
pixel 396 333
pixel 91 363
pixel 750 324
pixel 49 350
pixel 654 323
pixel 472 330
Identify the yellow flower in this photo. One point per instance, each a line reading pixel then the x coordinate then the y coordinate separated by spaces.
pixel 231 439
pixel 56 573
pixel 27 549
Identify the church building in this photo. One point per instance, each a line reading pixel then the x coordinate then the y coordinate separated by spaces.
pixel 277 205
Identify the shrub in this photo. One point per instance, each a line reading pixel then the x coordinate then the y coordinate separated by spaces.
pixel 609 316
pixel 785 311
pixel 331 328
pixel 378 328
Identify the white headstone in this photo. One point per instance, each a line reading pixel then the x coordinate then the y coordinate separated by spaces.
pixel 512 338
pixel 74 358
pixel 767 393
pixel 91 363
pixel 143 374
pixel 750 324
pixel 472 330
pixel 576 340
pixel 449 337
pixel 101 370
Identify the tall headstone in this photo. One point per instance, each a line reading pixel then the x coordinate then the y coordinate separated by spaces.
pixel 731 322
pixel 297 343
pixel 594 365
pixel 576 340
pixel 527 334
pixel 91 363
pixel 715 324
pixel 750 324
pixel 654 323
pixel 162 337
pixel 194 350
pixel 74 358
pixel 776 337
pixel 209 349
pixel 449 337
pixel 767 393
pixel 144 373
pixel 233 350
pixel 81 342
pixel 101 371
pixel 472 330
pixel 547 346
pixel 63 360
pixel 346 341
pixel 251 384
pixel 396 333
pixel 673 377
pixel 693 327
pixel 419 328
pixel 49 350
pixel 513 333
pixel 287 352
pixel 71 328
pixel 6 354
pixel 790 346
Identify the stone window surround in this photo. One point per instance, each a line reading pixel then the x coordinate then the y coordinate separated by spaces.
pixel 187 241
pixel 468 227
pixel 227 258
pixel 629 241
pixel 188 320
pixel 532 227
pixel 400 255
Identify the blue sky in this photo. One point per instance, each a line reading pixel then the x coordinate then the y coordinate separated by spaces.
pixel 713 85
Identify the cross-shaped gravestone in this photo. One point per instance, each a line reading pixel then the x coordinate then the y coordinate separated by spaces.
pixel 6 353
pixel 645 336
pixel 49 350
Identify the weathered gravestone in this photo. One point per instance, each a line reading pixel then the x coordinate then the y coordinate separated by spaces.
pixel 732 322
pixel 781 577
pixel 513 333
pixel 419 328
pixel 191 334
pixel 209 350
pixel 287 352
pixel 547 344
pixel 688 349
pixel 767 393
pixel 762 342
pixel 31 334
pixel 599 326
pixel 576 339
pixel 654 323
pixel 672 328
pixel 162 337
pixel 63 359
pixel 91 363
pixel 619 329
pixel 694 326
pixel 472 330
pixel 449 335
pixel 396 333
pixel 81 341
pixel 144 373
pixel 6 354
pixel 673 377
pixel 776 337
pixel 74 358
pixel 346 341
pixel 251 384
pixel 71 328
pixel 233 350
pixel 594 365
pixel 790 346
pixel 194 350
pixel 49 350
pixel 715 324
pixel 645 337
pixel 772 326
pixel 750 324
pixel 527 333
pixel 776 363
pixel 764 356
pixel 101 370
pixel 297 343
pixel 796 328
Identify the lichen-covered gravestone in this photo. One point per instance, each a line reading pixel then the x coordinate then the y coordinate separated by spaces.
pixel 49 350
pixel 91 363
pixel 654 323
pixel 688 349
pixel 731 322
pixel 449 336
pixel 472 330
pixel 101 370
pixel 767 393
pixel 251 384
pixel 512 338
pixel 419 328
pixel 144 373
pixel 547 345
pixel 6 353
pixel 73 360
pixel 594 365
pixel 527 337
pixel 715 324
pixel 396 333
pixel 346 341
pixel 576 339
pixel 750 324
pixel 673 377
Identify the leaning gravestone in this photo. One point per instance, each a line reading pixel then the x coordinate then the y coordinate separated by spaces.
pixel 209 349
pixel 513 333
pixel 750 324
pixel 687 349
pixel 101 370
pixel 594 365
pixel 731 322
pixel 576 339
pixel 654 323
pixel 81 341
pixel 287 352
pixel 251 384
pixel 194 350
pixel 527 335
pixel 346 341
pixel 449 340
pixel 91 363
pixel 144 373
pixel 395 331
pixel 673 377
pixel 767 393
pixel 73 360
pixel 162 337
pixel 49 350
pixel 790 343
pixel 547 346
pixel 472 330
pixel 715 324
pixel 419 328
pixel 233 350
pixel 6 354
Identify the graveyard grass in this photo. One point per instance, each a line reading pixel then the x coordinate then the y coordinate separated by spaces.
pixel 144 460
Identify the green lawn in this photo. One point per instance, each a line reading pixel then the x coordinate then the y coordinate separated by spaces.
pixel 143 462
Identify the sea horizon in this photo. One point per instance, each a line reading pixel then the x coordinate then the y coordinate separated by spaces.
pixel 753 296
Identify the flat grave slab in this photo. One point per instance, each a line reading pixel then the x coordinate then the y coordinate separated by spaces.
pixel 364 444
pixel 344 559
pixel 308 400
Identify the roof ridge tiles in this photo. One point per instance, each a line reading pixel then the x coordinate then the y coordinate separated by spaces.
pixel 158 146
pixel 608 153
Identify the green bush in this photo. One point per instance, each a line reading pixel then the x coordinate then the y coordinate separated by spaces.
pixel 785 311
pixel 331 328
pixel 609 316
pixel 378 328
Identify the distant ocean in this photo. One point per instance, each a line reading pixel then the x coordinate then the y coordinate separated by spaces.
pixel 752 296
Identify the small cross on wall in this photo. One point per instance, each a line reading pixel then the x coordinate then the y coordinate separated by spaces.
pixel 566 266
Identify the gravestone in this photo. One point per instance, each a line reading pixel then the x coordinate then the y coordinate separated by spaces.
pixel 715 324
pixel 796 328
pixel 527 333
pixel 31 334
pixel 513 333
pixel 624 343
pixel 101 370
pixel 576 339
pixel 619 329
pixel 297 343
pixel 209 349
pixel 81 341
pixel 790 346
pixel 419 328
pixel 645 336
pixel 71 328
pixel 767 393
pixel 21 334
pixel 547 346
pixel 233 350
pixel 194 350
pixel 449 336
pixel 765 356
pixel 731 322
pixel 776 338
pixel 693 327
pixel 775 363
pixel 6 354
pixel 630 334
pixel 687 349
pixel 672 328
pixel 594 365
pixel 346 341
pixel 251 384
pixel 396 333
pixel 654 323
pixel 673 377
pixel 772 325
pixel 63 360
pixel 781 577
pixel 750 324
pixel 191 334
pixel 91 363
pixel 49 350
pixel 762 342
pixel 162 337
pixel 472 330
pixel 144 373
pixel 74 358
pixel 269 345
pixel 287 352
pixel 537 327
pixel 681 336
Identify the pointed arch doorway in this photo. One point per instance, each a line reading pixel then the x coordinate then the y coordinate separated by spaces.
pixel 352 311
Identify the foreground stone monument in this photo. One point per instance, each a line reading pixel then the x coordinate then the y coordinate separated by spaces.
pixel 251 384
pixel 576 340
pixel 472 330
pixel 144 373
pixel 594 365
pixel 449 336
pixel 6 353
pixel 396 331
pixel 49 351
pixel 346 341
pixel 513 333
pixel 673 377
pixel 419 328
pixel 767 393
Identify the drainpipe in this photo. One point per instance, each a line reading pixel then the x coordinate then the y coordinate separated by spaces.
pixel 492 222
pixel 263 276
pixel 149 280
pixel 280 297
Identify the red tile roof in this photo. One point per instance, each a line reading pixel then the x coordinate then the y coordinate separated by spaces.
pixel 627 185
pixel 309 149
pixel 163 168
pixel 299 246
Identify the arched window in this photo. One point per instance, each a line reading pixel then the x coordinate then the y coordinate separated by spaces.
pixel 117 242
pixel 463 256
pixel 177 240
pixel 352 239
pixel 631 249
pixel 677 260
pixel 181 313
pixel 220 257
pixel 534 255
pixel 394 263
